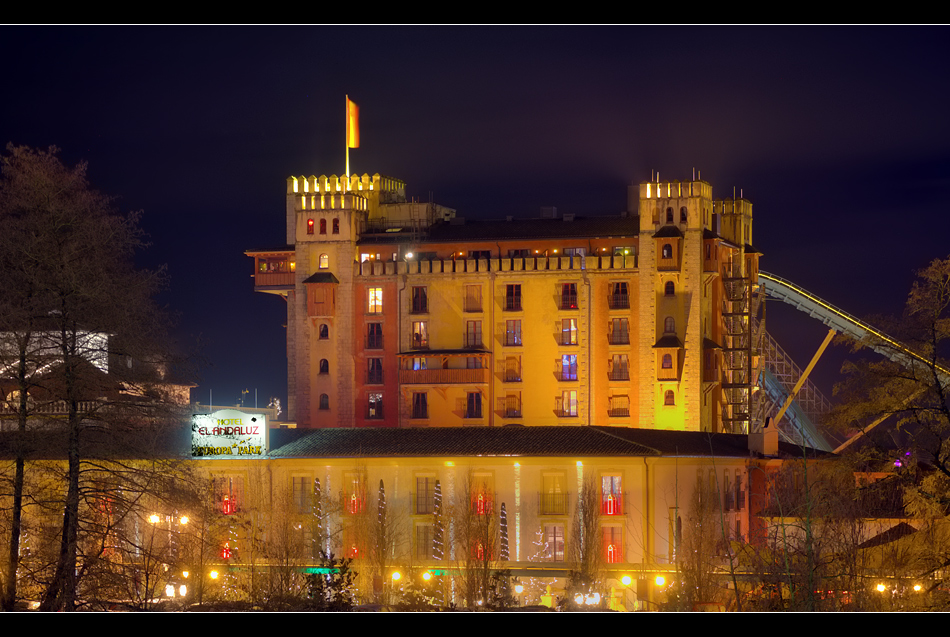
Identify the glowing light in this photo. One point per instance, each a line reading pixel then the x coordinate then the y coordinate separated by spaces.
pixel 184 519
pixel 396 576
pixel 185 574
pixel 170 590
pixel 213 575
pixel 625 580
pixel 881 588
pixel 427 576
pixel 917 587
pixel 408 255
pixel 519 589
pixel 153 518
pixel 449 464
pixel 182 590
pixel 578 599
pixel 295 183
pixel 660 580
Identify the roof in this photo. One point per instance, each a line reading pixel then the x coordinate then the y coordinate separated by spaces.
pixel 281 249
pixel 506 441
pixel 322 277
pixel 668 232
pixel 669 340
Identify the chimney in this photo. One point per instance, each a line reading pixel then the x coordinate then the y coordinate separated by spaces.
pixel 766 441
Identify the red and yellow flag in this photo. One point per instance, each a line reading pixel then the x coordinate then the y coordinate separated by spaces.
pixel 352 124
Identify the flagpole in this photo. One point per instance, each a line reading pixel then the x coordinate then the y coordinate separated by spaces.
pixel 346 137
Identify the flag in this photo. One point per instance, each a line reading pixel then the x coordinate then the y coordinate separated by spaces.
pixel 352 124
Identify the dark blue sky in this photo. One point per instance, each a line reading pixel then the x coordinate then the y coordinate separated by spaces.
pixel 838 135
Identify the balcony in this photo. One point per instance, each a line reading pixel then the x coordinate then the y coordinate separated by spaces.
pixel 611 504
pixel 619 338
pixel 274 279
pixel 552 504
pixel 512 376
pixel 442 376
pixel 565 413
pixel 618 301
pixel 374 341
pixel 565 374
pixel 513 304
pixel 374 377
pixel 513 412
pixel 568 302
pixel 618 374
pixel 472 305
pixel 619 412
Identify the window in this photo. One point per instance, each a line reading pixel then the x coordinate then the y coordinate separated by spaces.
pixel 569 331
pixel 553 494
pixel 483 493
pixel 374 336
pixel 375 300
pixel 302 493
pixel 420 405
pixel 323 226
pixel 569 296
pixel 425 538
pixel 229 494
pixel 683 214
pixel 324 331
pixel 324 366
pixel 568 367
pixel 473 334
pixel 667 251
pixel 418 363
pixel 473 298
pixel 519 254
pixel 324 261
pixel 354 492
pixel 420 335
pixel 620 332
pixel 420 300
pixel 513 298
pixel 374 407
pixel 619 407
pixel 513 405
pixel 619 298
pixel 620 369
pixel 669 399
pixel 667 362
pixel 324 401
pixel 425 494
pixel 513 332
pixel 669 325
pixel 567 405
pixel 611 501
pixel 309 226
pixel 554 542
pixel 473 362
pixel 669 215
pixel 374 371
pixel 669 289
pixel 513 369
pixel 336 226
pixel 613 544
pixel 473 408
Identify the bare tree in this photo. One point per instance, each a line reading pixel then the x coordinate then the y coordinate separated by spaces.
pixel 584 544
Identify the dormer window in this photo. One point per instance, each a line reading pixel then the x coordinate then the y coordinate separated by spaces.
pixel 667 251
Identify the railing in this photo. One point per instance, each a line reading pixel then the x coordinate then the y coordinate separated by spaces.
pixel 619 301
pixel 552 504
pixel 611 504
pixel 569 302
pixel 474 342
pixel 567 375
pixel 374 377
pixel 374 341
pixel 620 338
pixel 419 307
pixel 442 376
pixel 513 412
pixel 512 304
pixel 619 374
pixel 619 412
pixel 273 278
pixel 565 413
pixel 513 339
pixel 512 376
pixel 473 305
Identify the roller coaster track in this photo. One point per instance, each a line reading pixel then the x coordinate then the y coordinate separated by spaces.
pixel 840 321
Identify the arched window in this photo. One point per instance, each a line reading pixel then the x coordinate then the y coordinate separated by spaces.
pixel 324 331
pixel 324 401
pixel 667 362
pixel 669 398
pixel 669 289
pixel 683 214
pixel 309 226
pixel 324 366
pixel 323 226
pixel 336 226
pixel 669 215
pixel 667 252
pixel 324 262
pixel 669 325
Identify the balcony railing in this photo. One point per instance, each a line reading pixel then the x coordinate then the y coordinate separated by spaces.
pixel 374 341
pixel 611 504
pixel 565 413
pixel 442 376
pixel 619 301
pixel 513 304
pixel 569 302
pixel 262 279
pixel 567 374
pixel 513 339
pixel 618 374
pixel 473 305
pixel 552 504
pixel 512 376
pixel 619 412
pixel 620 338
pixel 513 412
pixel 374 377
pixel 474 342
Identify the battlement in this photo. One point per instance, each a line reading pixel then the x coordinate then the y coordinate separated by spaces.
pixel 335 201
pixel 298 185
pixel 675 189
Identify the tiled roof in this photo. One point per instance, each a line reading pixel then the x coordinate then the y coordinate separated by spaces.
pixel 469 231
pixel 668 232
pixel 321 277
pixel 507 441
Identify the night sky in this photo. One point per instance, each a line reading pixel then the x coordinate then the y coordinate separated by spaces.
pixel 839 136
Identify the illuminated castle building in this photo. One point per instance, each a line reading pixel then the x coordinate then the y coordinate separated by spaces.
pixel 403 314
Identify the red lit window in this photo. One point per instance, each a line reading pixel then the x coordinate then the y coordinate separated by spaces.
pixel 309 226
pixel 611 496
pixel 226 551
pixel 482 495
pixel 228 493
pixel 613 545
pixel 354 494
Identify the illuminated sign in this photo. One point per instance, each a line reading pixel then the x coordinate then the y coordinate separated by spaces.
pixel 228 433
